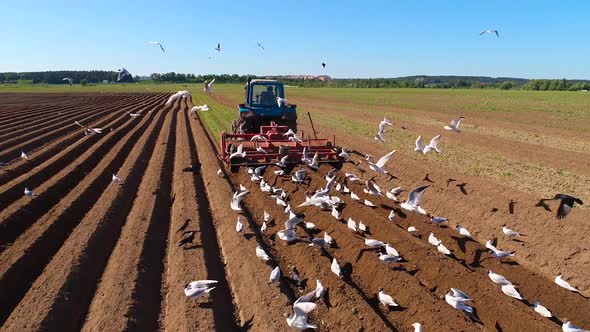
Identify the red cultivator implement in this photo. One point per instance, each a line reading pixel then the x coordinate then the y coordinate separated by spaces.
pixel 271 145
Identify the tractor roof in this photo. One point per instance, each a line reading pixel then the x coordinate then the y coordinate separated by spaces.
pixel 258 80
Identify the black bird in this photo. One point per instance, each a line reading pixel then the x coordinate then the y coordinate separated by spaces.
pixel 190 236
pixel 323 65
pixel 193 168
pixel 566 204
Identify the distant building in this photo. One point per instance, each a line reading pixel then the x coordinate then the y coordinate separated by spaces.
pixel 105 81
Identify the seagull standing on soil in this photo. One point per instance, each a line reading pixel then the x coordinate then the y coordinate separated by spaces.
pixel 239 225
pixel 568 327
pixel 464 232
pixel 24 156
pixel 542 310
pixel 386 300
pixel 498 279
pixel 491 32
pixel 414 199
pixel 116 178
pixel 158 44
pixel 275 274
pixel 391 215
pixel 189 236
pixel 208 86
pixel 417 327
pixel 497 252
pixel 507 231
pixel 29 192
pixel 455 123
pixel 336 268
pixel 260 253
pixel 511 291
pixel 351 224
pixel 559 280
pixel 457 303
pixel 198 288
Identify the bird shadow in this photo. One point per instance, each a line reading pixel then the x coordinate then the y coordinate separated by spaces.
pixel 544 205
pixel 362 252
pixel 326 299
pixel 247 325
pixel 194 246
pixel 511 206
pixel 427 179
pixel 450 180
pixel 206 305
pixel 494 210
pixel 460 242
pixel 248 236
pixel 461 187
pixel 477 257
pixel 509 262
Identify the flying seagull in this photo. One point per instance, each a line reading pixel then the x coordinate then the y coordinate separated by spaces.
pixel 413 202
pixel 385 122
pixel 123 73
pixel 218 48
pixel 380 164
pixel 455 123
pixel 324 64
pixel 260 45
pixel 208 86
pixel 491 32
pixel 157 43
pixel 298 319
pixel 70 80
pixel 89 130
pixel 202 108
pixel 432 146
pixel 198 288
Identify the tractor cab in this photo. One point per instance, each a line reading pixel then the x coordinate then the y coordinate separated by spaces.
pixel 261 107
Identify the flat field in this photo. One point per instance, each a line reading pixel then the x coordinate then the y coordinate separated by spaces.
pixel 87 253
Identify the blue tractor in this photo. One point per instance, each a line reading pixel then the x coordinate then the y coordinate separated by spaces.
pixel 264 103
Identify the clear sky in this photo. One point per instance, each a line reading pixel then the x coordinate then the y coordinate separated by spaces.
pixel 538 39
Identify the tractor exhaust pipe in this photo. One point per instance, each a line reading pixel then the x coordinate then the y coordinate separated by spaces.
pixel 312 127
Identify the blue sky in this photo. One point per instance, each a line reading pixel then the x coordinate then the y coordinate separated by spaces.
pixel 539 39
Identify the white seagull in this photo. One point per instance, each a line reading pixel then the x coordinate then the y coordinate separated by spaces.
pixel 509 232
pixel 239 153
pixel 298 319
pixel 374 243
pixel 239 225
pixel 455 123
pixel 29 192
pixel 386 300
pixel 281 101
pixel 457 303
pixel 568 327
pixel 491 32
pixel 236 201
pixel 202 108
pixel 417 327
pixel 260 253
pixel 24 156
pixel 498 278
pixel 511 291
pixel 198 288
pixel 380 164
pixel 336 268
pixel 275 274
pixel 116 178
pixel 559 280
pixel 208 86
pixel 464 232
pixel 413 202
pixel 542 310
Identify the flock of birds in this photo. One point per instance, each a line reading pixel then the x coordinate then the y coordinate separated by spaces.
pixel 327 201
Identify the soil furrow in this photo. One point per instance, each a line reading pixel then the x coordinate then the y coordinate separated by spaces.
pixel 60 297
pixel 26 258
pixel 135 266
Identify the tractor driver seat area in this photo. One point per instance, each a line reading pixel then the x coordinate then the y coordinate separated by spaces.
pixel 268 97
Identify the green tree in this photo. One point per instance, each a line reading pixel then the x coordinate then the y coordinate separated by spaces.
pixel 84 82
pixel 506 85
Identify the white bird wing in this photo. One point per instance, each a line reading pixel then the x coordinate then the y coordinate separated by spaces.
pixel 434 141
pixel 456 122
pixel 511 291
pixel 335 267
pixel 210 83
pixel 202 283
pixel 419 144
pixel 416 195
pixel 381 162
pixel 303 308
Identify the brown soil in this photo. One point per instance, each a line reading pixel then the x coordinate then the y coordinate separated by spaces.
pixel 87 254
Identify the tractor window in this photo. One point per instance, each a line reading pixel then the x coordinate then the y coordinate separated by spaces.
pixel 264 95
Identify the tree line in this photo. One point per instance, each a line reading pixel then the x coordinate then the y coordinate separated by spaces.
pixel 422 81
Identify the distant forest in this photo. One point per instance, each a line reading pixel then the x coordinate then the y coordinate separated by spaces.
pixel 422 81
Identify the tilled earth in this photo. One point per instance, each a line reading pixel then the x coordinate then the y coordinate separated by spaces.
pixel 86 253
